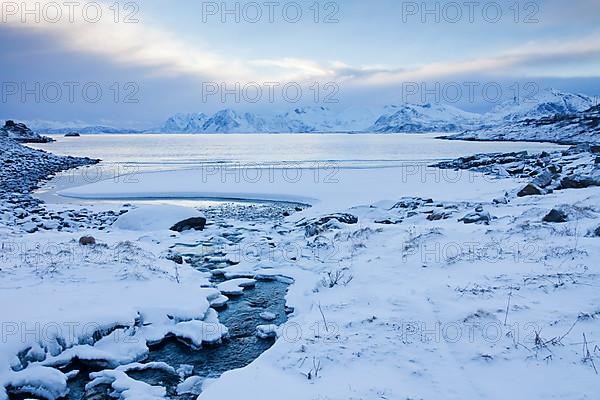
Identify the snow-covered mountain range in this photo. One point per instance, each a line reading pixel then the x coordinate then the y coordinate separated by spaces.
pixel 510 120
pixel 298 120
pixel 405 118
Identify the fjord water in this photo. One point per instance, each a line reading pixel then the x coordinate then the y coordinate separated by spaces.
pixel 149 152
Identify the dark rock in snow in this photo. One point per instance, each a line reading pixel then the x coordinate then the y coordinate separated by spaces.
pixel 477 218
pixel 555 169
pixel 411 203
pixel 388 222
pixel 556 216
pixel 176 258
pixel 579 182
pixel 72 134
pixel 439 215
pixel 543 179
pixel 530 190
pixel 341 217
pixel 196 223
pixel 87 241
pixel 315 227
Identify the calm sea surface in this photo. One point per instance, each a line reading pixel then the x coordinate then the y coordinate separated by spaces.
pixel 174 151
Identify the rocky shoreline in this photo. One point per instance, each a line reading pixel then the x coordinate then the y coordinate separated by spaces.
pixel 23 170
pixel 575 168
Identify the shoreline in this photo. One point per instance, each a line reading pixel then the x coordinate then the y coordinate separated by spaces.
pixel 475 139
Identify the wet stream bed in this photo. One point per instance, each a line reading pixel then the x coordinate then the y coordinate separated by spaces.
pixel 241 316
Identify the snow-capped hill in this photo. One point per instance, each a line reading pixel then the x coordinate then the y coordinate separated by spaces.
pixel 298 120
pixel 229 121
pixel 546 103
pixel 44 127
pixel 309 119
pixel 87 130
pixel 413 118
pixel 188 123
pixel 575 128
pixel 323 119
pixel 21 133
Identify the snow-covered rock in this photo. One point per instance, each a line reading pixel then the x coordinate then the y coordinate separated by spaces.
pixel 235 287
pixel 268 316
pixel 21 133
pixel 192 385
pixel 266 331
pixel 154 217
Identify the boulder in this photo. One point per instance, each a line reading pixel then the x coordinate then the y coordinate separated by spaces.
pixel 30 227
pixel 315 227
pixel 344 218
pixel 579 182
pixel 266 331
pixel 196 223
pixel 411 203
pixel 530 190
pixel 501 200
pixel 388 221
pixel 176 258
pixel 556 216
pixel 597 232
pixel 439 215
pixel 477 218
pixel 577 149
pixel 555 169
pixel 543 179
pixel 87 241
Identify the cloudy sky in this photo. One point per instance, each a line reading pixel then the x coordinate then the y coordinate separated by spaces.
pixel 136 63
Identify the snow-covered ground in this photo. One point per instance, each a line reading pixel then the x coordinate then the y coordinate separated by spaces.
pixel 461 290
pixel 326 189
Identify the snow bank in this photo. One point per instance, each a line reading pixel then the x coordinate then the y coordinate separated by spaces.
pixel 148 218
pixel 99 304
pixel 41 381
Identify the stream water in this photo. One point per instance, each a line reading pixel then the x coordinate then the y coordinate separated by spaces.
pixel 241 316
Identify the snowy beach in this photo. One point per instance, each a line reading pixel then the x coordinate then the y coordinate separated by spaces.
pixel 431 281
